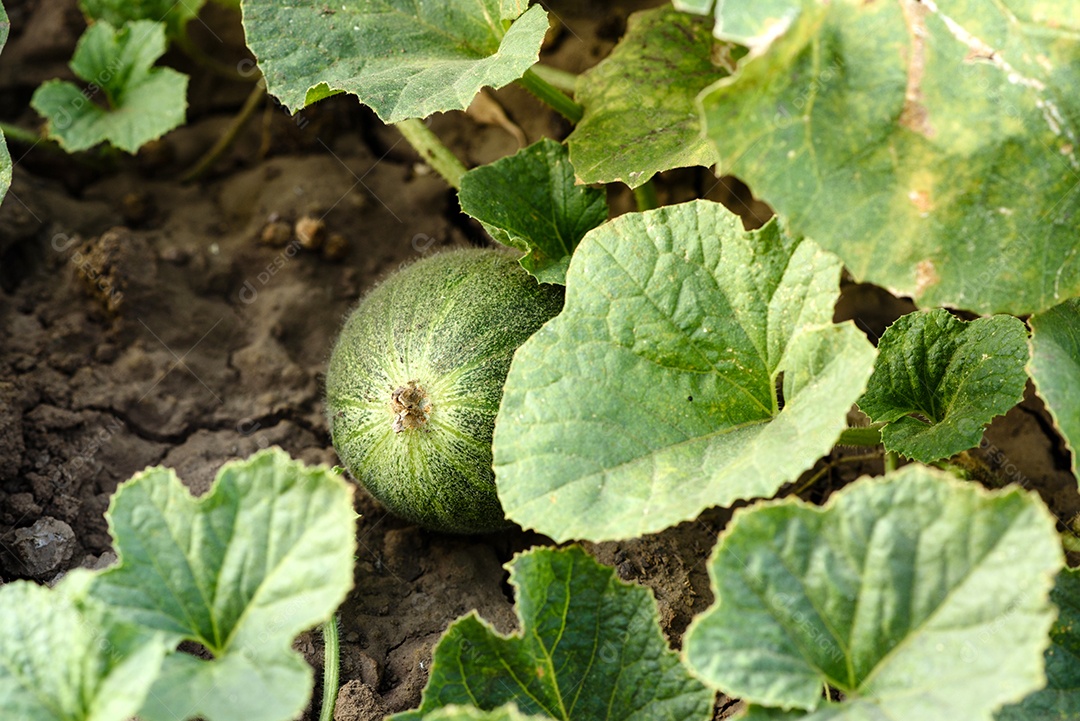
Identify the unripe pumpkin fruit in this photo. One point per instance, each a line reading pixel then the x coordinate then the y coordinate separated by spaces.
pixel 416 377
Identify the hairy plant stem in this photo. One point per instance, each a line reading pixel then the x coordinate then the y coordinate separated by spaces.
pixel 225 141
pixel 433 151
pixel 445 163
pixel 561 79
pixel 551 95
pixel 645 197
pixel 331 668
pixel 891 460
pixel 861 435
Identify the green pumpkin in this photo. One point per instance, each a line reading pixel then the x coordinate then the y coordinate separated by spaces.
pixel 415 381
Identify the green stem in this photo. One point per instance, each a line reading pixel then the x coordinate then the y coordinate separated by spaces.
pixel 98 159
pixel 891 460
pixel 861 436
pixel 561 79
pixel 193 51
pixel 331 668
pixel 645 197
pixel 225 141
pixel 551 95
pixel 15 132
pixel 433 151
pixel 102 158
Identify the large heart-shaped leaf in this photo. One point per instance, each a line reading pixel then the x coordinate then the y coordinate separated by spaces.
pixel 529 201
pixel 1060 700
pixel 590 647
pixel 641 115
pixel 267 553
pixel 654 394
pixel 1055 368
pixel 127 102
pixel 917 596
pixel 403 59
pixel 60 660
pixel 956 376
pixel 896 134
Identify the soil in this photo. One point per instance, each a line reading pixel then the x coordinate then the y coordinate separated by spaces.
pixel 151 322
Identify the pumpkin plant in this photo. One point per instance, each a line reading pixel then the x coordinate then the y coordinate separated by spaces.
pixel 697 364
pixel 932 148
pixel 265 554
pixel 120 97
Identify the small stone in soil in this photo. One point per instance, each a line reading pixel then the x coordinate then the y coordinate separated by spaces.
pixel 311 232
pixel 96 563
pixel 276 234
pixel 22 505
pixel 336 247
pixel 43 548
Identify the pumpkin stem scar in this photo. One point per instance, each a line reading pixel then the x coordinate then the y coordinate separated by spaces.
pixel 411 407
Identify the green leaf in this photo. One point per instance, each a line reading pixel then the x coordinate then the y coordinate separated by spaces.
pixel 5 168
pixel 640 111
pixel 917 596
pixel 693 6
pixel 827 713
pixel 511 9
pixel 957 376
pixel 1055 368
pixel 906 161
pixel 127 102
pixel 267 553
pixel 590 647
pixel 471 713
pixel 5 157
pixel 529 201
pixel 750 24
pixel 239 685
pixel 401 58
pixel 1060 700
pixel 60 660
pixel 653 395
pixel 118 13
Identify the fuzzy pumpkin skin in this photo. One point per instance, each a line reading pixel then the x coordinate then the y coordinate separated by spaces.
pixel 415 381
